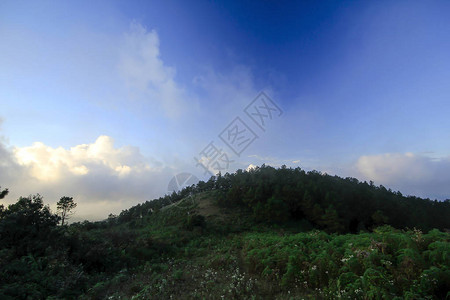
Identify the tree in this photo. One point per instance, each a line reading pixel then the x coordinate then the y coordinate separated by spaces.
pixel 379 218
pixel 331 221
pixel 3 193
pixel 311 210
pixel 27 226
pixel 65 207
pixel 276 210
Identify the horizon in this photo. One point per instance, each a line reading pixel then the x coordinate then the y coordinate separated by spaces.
pixel 109 102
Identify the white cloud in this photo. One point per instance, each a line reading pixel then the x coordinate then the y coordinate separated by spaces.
pixel 102 178
pixel 146 75
pixel 231 91
pixel 410 173
pixel 251 167
pixel 50 164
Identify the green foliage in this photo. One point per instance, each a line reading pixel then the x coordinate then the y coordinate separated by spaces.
pixel 33 259
pixel 379 218
pixel 195 221
pixel 27 226
pixel 351 266
pixel 331 221
pixel 265 233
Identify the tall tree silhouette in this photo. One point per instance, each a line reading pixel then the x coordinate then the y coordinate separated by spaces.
pixel 3 193
pixel 65 207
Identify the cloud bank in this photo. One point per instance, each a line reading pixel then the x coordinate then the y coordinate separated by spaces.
pixel 410 173
pixel 106 179
pixel 101 177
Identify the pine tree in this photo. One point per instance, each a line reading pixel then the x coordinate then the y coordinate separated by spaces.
pixel 65 207
pixel 331 221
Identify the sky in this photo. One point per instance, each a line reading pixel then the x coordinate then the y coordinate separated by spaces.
pixel 107 101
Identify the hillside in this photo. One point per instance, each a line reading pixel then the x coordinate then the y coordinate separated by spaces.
pixel 330 203
pixel 215 241
pixel 196 249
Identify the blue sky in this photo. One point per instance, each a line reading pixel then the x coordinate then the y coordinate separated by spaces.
pixel 107 100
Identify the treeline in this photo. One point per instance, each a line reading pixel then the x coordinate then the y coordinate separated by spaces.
pixel 330 203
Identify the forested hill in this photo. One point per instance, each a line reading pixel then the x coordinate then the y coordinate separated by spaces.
pixel 248 235
pixel 330 203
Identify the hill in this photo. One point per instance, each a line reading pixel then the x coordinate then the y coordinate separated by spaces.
pixel 330 203
pixel 262 234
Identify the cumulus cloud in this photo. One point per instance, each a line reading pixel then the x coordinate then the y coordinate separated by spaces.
pixel 146 75
pixel 101 177
pixel 49 164
pixel 410 173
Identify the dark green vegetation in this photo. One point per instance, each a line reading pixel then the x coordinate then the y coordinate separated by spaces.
pixel 264 234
